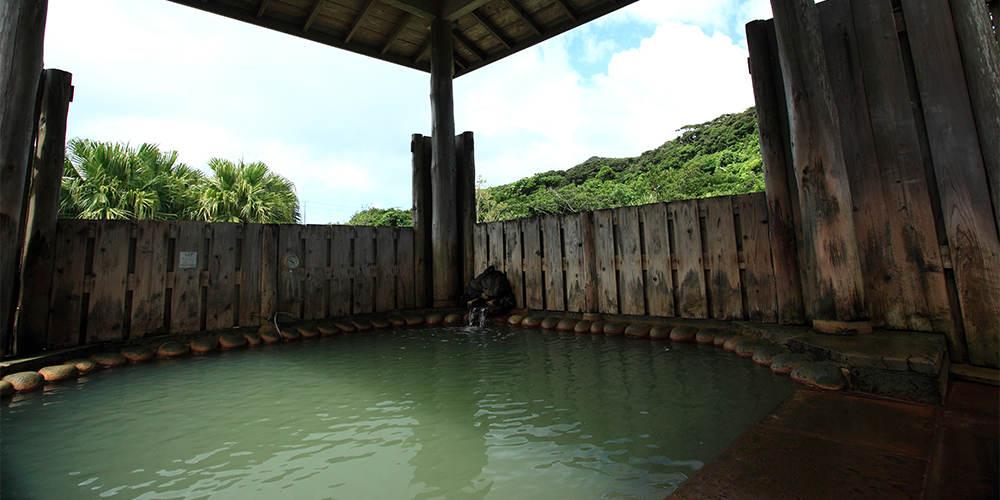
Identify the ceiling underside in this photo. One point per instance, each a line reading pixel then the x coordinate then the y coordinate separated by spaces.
pixel 399 31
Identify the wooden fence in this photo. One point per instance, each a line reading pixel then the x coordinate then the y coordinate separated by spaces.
pixel 117 280
pixel 708 258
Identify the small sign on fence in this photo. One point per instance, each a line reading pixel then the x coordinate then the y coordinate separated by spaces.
pixel 188 260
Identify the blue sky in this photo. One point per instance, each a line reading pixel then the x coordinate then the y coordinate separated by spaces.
pixel 338 124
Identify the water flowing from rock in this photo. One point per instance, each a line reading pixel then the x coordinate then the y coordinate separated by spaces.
pixel 477 316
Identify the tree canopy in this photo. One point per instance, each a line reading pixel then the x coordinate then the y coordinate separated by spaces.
pixel 372 216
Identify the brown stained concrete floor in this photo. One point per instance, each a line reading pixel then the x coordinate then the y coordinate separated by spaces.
pixel 825 444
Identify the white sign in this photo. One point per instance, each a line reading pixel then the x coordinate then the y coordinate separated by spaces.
pixel 188 260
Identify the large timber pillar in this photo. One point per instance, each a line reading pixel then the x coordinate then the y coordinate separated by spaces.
pixel 22 34
pixel 831 269
pixel 445 238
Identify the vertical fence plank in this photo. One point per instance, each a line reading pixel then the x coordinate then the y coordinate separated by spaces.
pixel 405 297
pixel 149 293
pixel 185 307
pixel 691 299
pixel 340 270
pixel 497 256
pixel 106 317
pixel 659 282
pixel 269 271
pixel 315 287
pixel 960 174
pixel 512 260
pixel 632 293
pixel 364 262
pixel 290 291
pixel 250 285
pixel 385 278
pixel 481 248
pixel 604 258
pixel 553 264
pixel 221 277
pixel 723 264
pixel 762 305
pixel 533 283
pixel 576 275
pixel 69 263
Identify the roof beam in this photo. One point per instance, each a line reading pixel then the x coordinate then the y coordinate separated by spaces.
pixel 262 8
pixel 421 8
pixel 312 15
pixel 454 9
pixel 523 15
pixel 566 7
pixel 357 21
pixel 424 49
pixel 469 44
pixel 395 34
pixel 491 28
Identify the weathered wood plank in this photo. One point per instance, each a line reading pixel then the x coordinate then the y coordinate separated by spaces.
pixel 774 153
pixel 364 263
pixel 185 297
pixel 341 261
pixel 385 278
pixel 421 147
pixel 465 166
pixel 759 282
pixel 632 292
pixel 405 298
pixel 315 302
pixel 250 268
pixel 576 275
pixel 555 299
pixel 512 260
pixel 496 251
pixel 726 301
pixel 69 264
pixel 691 299
pixel 269 271
pixel 604 261
pixel 290 293
pixel 533 282
pixel 481 248
pixel 106 315
pixel 149 293
pixel 659 282
pixel 960 174
pixel 446 249
pixel 219 311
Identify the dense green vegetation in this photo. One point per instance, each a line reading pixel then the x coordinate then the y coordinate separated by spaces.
pixel 372 216
pixel 720 157
pixel 102 180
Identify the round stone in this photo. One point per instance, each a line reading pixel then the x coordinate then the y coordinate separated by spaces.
pixel 453 319
pixel 270 337
pixel 592 317
pixel 109 358
pixel 138 354
pixel 84 365
pixel 6 389
pixel 361 324
pixel 396 320
pixel 615 327
pixel 56 373
pixel 253 338
pixel 267 327
pixel 379 322
pixel 345 326
pixel 515 319
pixel 765 355
pixel 435 319
pixel 201 345
pixel 414 319
pixel 532 321
pixel 327 329
pixel 722 337
pixel 289 333
pixel 638 330
pixel 597 327
pixel 582 326
pixel 567 324
pixel 820 374
pixel 660 331
pixel 25 381
pixel 785 363
pixel 746 348
pixel 309 331
pixel 730 343
pixel 707 335
pixel 550 323
pixel 232 341
pixel 683 333
pixel 172 349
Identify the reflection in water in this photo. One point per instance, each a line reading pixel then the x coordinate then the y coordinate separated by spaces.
pixel 456 412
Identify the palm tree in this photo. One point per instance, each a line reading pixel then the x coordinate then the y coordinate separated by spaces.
pixel 247 192
pixel 102 180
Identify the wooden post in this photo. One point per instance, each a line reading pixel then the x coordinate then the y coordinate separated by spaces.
pixel 832 268
pixel 43 213
pixel 982 72
pixel 466 161
pixel 781 222
pixel 421 148
pixel 445 243
pixel 22 35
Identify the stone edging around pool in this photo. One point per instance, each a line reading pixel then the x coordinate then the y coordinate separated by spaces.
pixel 909 366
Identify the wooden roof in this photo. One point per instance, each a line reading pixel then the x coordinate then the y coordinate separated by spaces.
pixel 398 31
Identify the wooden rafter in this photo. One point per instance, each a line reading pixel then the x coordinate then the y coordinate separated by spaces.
pixel 523 15
pixel 492 29
pixel 567 8
pixel 312 15
pixel 357 21
pixel 395 34
pixel 262 8
pixel 469 44
pixel 422 52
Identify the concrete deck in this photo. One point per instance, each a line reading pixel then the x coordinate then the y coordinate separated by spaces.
pixel 824 444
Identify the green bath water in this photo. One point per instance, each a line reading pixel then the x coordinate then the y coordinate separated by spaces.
pixel 455 412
